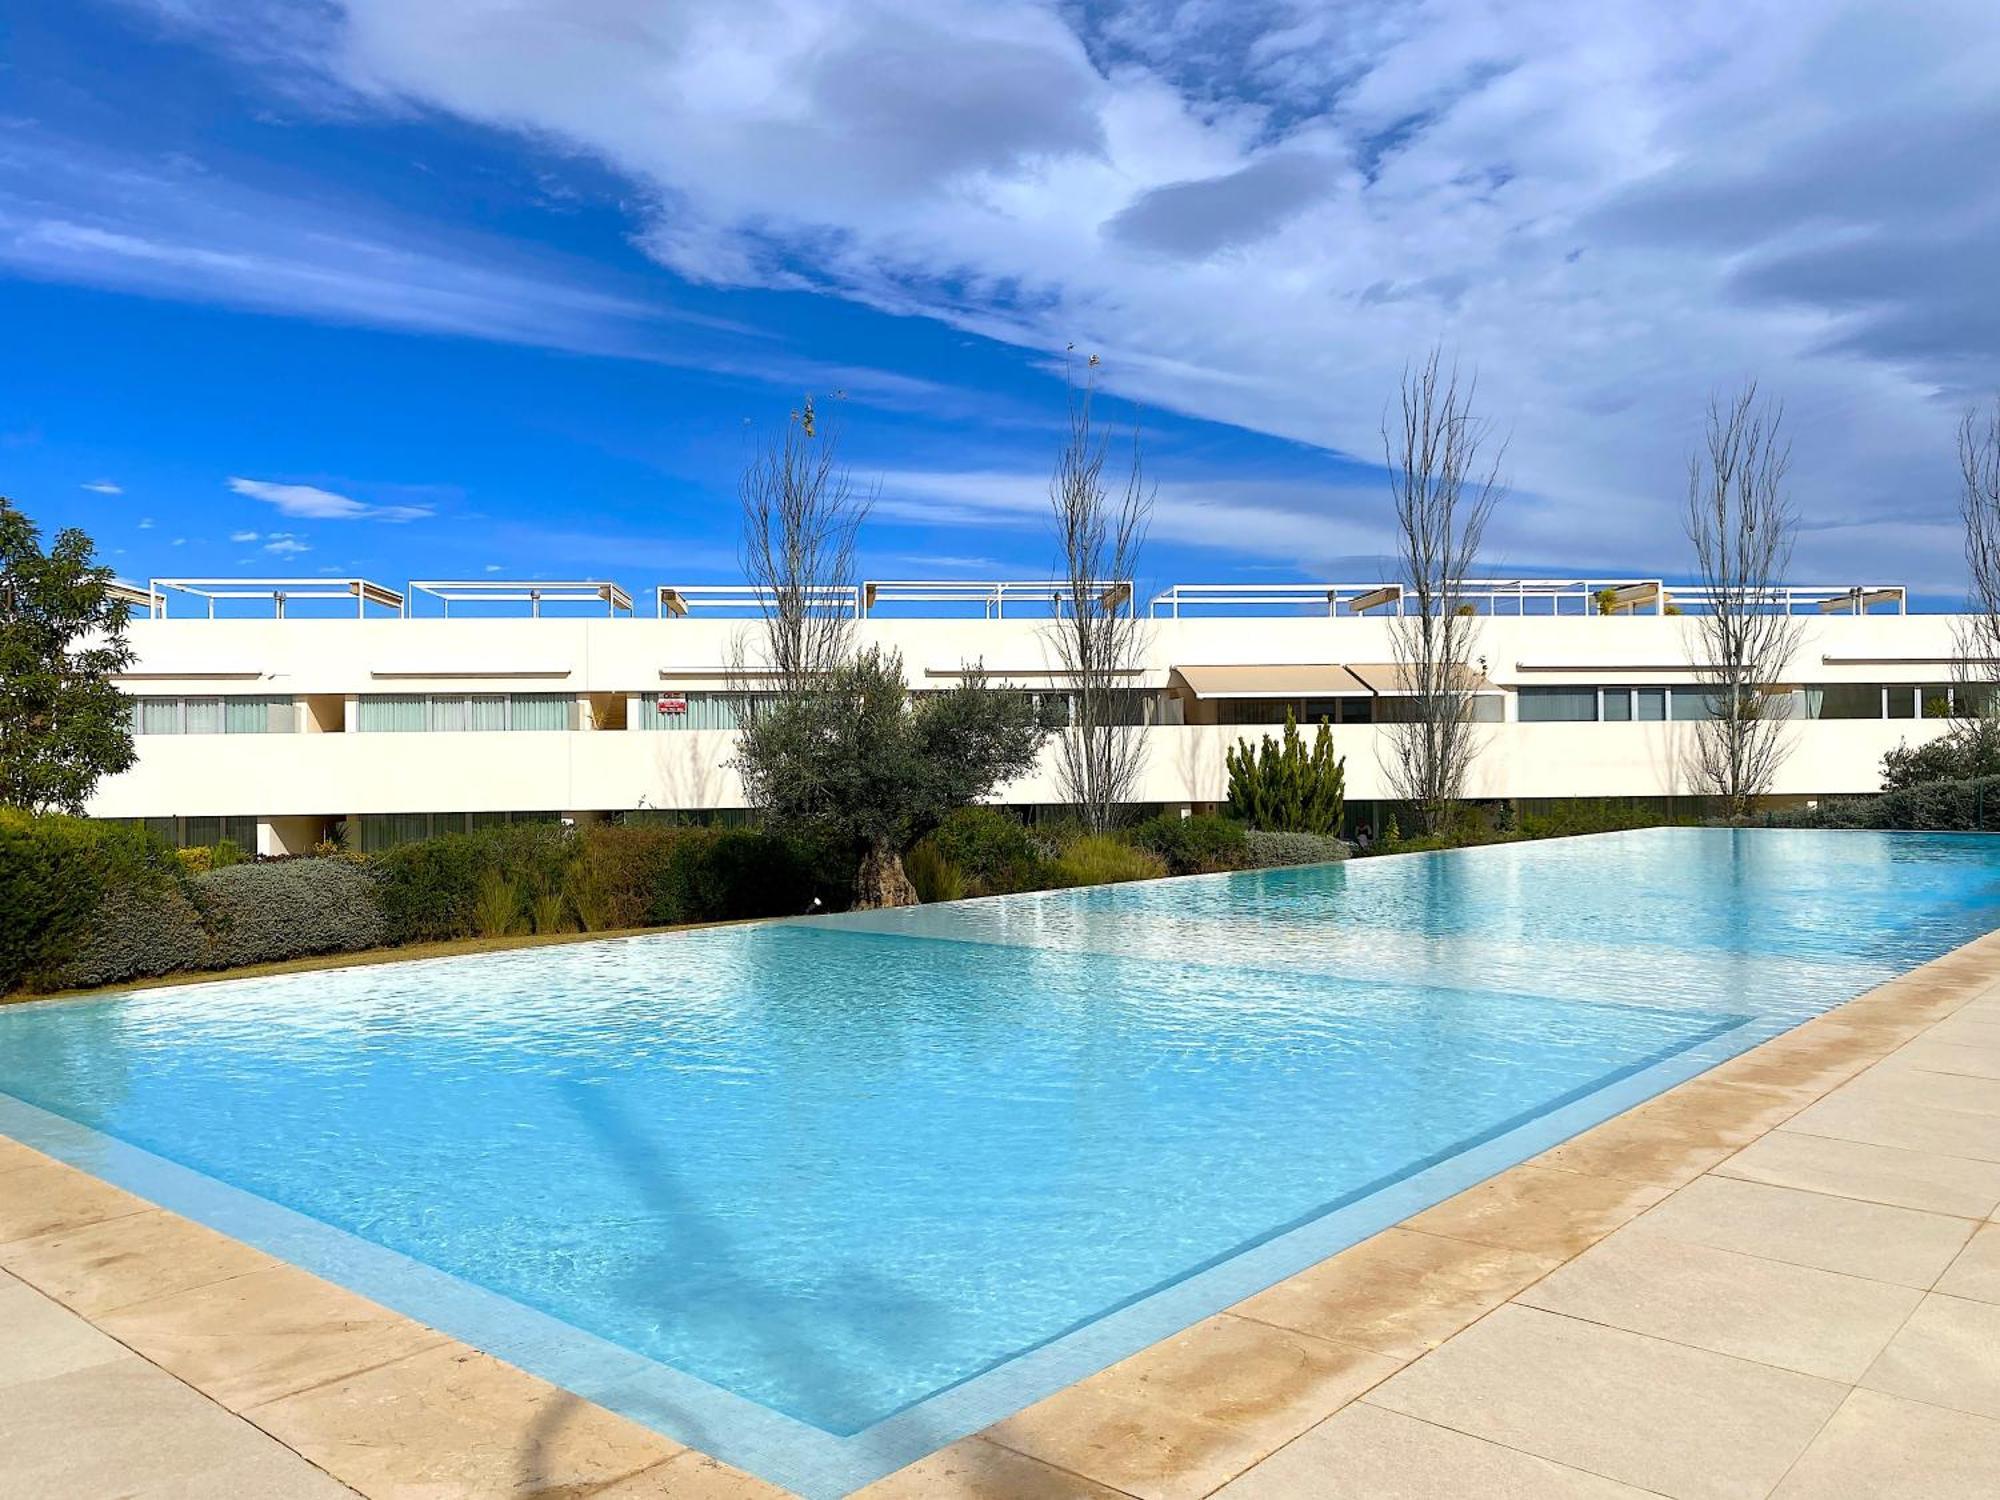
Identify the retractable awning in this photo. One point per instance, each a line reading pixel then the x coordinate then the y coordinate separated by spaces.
pixel 1319 680
pixel 1387 679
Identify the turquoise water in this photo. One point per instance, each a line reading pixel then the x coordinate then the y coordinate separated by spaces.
pixel 840 1165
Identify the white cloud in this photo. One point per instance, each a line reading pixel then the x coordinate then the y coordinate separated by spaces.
pixel 285 544
pixel 313 503
pixel 104 487
pixel 145 523
pixel 242 536
pixel 1260 212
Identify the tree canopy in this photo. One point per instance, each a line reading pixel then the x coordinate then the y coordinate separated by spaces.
pixel 857 757
pixel 63 722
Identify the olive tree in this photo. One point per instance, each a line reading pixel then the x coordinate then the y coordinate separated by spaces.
pixel 64 724
pixel 861 760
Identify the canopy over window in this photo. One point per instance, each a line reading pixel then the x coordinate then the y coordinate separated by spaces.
pixel 1323 680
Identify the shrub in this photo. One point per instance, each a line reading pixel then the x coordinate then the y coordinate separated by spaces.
pixel 1099 859
pixel 451 886
pixel 1199 845
pixel 226 852
pixel 620 875
pixel 496 905
pixel 1940 806
pixel 196 860
pixel 992 850
pixel 290 909
pixel 134 932
pixel 1281 788
pixel 54 872
pixel 1270 850
pixel 935 877
pixel 741 874
pixel 1967 751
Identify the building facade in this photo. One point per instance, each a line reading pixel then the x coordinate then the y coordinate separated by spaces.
pixel 341 710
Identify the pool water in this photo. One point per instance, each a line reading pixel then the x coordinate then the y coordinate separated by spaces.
pixel 837 1166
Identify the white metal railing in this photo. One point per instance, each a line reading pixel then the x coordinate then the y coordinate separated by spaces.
pixel 1053 595
pixel 1790 598
pixel 1358 597
pixel 682 600
pixel 277 592
pixel 532 592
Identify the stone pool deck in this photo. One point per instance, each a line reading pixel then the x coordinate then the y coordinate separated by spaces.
pixel 1779 1279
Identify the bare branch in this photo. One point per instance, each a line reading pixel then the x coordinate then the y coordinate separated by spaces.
pixel 1443 493
pixel 1979 507
pixel 1740 521
pixel 1098 644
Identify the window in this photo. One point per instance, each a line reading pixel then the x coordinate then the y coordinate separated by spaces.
pixel 450 713
pixel 1552 705
pixel 1902 700
pixel 1649 704
pixel 1844 700
pixel 249 715
pixel 1617 705
pixel 1692 703
pixel 1936 699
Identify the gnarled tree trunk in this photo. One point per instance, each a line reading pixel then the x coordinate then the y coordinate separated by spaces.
pixel 881 880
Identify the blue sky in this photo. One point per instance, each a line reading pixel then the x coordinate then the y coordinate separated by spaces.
pixel 365 287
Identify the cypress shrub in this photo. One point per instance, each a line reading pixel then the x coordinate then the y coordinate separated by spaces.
pixel 290 908
pixel 1280 787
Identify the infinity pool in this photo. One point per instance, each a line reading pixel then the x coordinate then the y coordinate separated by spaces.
pixel 852 1185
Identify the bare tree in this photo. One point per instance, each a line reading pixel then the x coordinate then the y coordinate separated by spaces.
pixel 1979 507
pixel 801 514
pixel 1098 644
pixel 1741 523
pixel 1444 491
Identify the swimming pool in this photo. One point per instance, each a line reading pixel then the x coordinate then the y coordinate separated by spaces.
pixel 817 1196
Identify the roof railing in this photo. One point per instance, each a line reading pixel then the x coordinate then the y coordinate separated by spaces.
pixel 132 594
pixel 678 601
pixel 533 592
pixel 1045 595
pixel 1326 598
pixel 277 592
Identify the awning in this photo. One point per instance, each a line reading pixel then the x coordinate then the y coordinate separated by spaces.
pixel 1321 680
pixel 1387 679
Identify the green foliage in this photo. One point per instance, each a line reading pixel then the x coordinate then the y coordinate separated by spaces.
pixel 1942 806
pixel 740 873
pixel 935 877
pixel 1200 845
pixel 1967 751
pixel 1281 788
pixel 857 760
pixel 133 932
pixel 63 722
pixel 225 853
pixel 466 884
pixel 293 908
pixel 1266 851
pixel 620 876
pixel 496 905
pixel 1606 601
pixel 54 872
pixel 992 849
pixel 1100 859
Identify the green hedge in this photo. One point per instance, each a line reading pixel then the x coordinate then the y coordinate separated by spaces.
pixel 1273 850
pixel 294 908
pixel 992 850
pixel 1940 806
pixel 134 932
pixel 1201 845
pixel 55 872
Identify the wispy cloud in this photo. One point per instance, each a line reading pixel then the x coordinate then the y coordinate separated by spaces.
pixel 104 487
pixel 285 544
pixel 310 502
pixel 242 536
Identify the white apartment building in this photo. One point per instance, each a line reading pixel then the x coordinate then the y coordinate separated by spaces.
pixel 279 712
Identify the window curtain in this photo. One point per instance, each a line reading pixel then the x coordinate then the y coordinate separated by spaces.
pixel 486 711
pixel 538 711
pixel 450 712
pixel 1552 705
pixel 157 716
pixel 256 715
pixel 203 716
pixel 386 713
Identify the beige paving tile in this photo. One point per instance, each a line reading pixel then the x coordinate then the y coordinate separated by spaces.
pixel 1399 1293
pixel 257 1337
pixel 1369 1453
pixel 96 1267
pixel 37 1199
pixel 1534 1209
pixel 1883 1448
pixel 1142 1448
pixel 978 1470
pixel 1970 1031
pixel 1677 1137
pixel 1880 1174
pixel 13 1154
pixel 1935 1056
pixel 1913 1127
pixel 41 1339
pixel 1976 1272
pixel 1979 1096
pixel 690 1476
pixel 127 1429
pixel 452 1421
pixel 1947 1354
pixel 1270 1382
pixel 1661 1416
pixel 1903 1245
pixel 1794 1317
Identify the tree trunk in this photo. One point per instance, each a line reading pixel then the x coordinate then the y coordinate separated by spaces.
pixel 881 880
